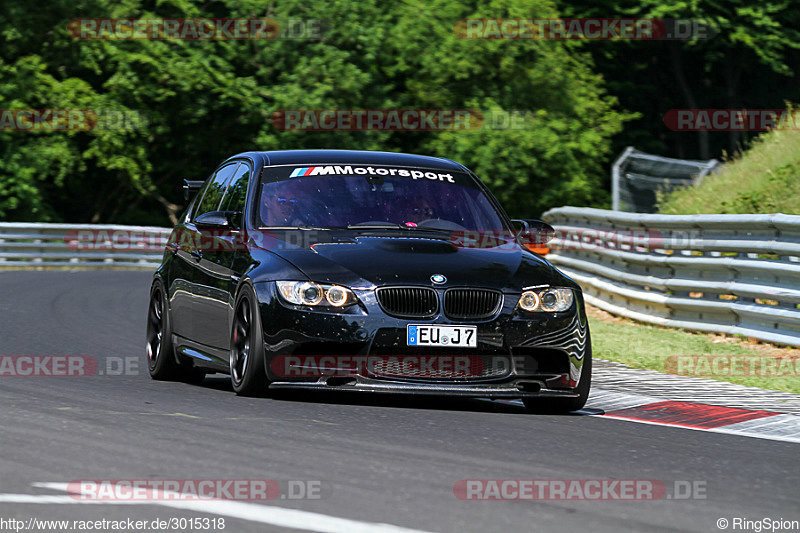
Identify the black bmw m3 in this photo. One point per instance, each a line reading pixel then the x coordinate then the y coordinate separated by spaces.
pixel 365 271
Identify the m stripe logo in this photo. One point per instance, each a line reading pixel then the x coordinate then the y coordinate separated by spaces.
pixel 303 171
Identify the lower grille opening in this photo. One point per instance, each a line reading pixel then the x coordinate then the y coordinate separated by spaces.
pixel 328 348
pixel 532 360
pixel 438 364
pixel 340 381
pixel 310 361
pixel 529 386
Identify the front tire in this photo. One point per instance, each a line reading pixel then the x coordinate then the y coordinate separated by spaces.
pixel 248 377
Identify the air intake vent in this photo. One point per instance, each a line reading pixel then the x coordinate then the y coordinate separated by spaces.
pixel 408 302
pixel 472 304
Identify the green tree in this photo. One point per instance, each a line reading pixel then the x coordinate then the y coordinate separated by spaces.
pixel 749 61
pixel 205 100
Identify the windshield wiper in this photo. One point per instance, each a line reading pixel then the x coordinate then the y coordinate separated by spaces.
pixel 428 228
pixel 401 227
pixel 375 226
pixel 300 227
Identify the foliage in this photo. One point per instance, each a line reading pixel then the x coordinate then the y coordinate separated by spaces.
pixel 194 103
pixel 749 60
pixel 206 100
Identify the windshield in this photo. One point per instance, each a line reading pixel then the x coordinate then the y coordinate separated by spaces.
pixel 450 201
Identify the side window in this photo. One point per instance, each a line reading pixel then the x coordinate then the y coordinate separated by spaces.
pixel 237 190
pixel 215 189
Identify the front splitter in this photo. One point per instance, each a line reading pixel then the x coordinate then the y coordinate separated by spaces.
pixel 430 389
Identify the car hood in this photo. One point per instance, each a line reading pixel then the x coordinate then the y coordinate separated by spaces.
pixel 366 261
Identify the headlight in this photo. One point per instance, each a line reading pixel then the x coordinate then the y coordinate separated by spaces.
pixel 547 300
pixel 313 294
pixel 529 301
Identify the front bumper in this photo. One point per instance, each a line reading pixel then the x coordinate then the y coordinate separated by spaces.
pixel 543 352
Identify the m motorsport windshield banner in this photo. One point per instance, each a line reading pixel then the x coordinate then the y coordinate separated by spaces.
pixel 281 173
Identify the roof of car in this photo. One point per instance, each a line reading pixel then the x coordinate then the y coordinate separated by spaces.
pixel 358 157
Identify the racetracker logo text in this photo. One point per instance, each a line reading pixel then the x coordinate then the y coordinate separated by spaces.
pixel 408 366
pixel 643 490
pixel 49 120
pixel 47 365
pixel 193 489
pixel 66 366
pixel 731 119
pixel 556 29
pixel 376 119
pixel 732 365
pixel 258 29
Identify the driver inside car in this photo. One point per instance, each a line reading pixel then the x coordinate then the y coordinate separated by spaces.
pixel 279 209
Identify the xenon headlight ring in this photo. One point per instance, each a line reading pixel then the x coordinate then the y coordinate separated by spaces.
pixel 547 300
pixel 312 294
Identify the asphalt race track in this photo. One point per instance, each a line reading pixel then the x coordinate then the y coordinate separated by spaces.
pixel 381 463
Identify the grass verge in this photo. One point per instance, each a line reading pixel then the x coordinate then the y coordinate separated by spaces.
pixel 647 346
pixel 763 179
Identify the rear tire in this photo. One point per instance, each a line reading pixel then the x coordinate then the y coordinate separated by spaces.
pixel 566 405
pixel 248 377
pixel 160 351
pixel 161 360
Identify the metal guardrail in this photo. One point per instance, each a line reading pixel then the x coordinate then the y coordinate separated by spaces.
pixel 81 245
pixel 735 274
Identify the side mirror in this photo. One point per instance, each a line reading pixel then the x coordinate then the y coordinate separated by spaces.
pixel 535 234
pixel 215 220
pixel 191 187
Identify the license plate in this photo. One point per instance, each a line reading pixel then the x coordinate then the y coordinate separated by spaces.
pixel 434 335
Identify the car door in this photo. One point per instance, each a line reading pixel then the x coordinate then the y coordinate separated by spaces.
pixel 216 280
pixel 195 300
